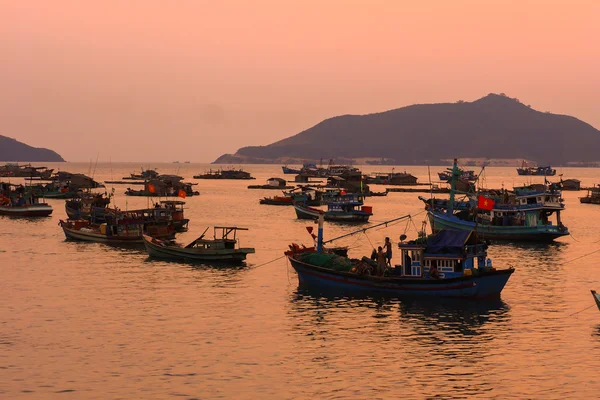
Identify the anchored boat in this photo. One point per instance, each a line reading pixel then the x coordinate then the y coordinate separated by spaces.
pixel 446 264
pixel 19 203
pixel 345 208
pixel 526 216
pixel 223 247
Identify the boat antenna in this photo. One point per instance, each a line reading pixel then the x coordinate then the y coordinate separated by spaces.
pixel 95 166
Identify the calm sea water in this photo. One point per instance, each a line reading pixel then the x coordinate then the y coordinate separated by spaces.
pixel 84 320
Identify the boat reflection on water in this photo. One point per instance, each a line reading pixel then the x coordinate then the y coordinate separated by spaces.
pixel 462 316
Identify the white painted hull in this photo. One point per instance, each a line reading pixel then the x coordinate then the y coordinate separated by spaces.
pixel 36 210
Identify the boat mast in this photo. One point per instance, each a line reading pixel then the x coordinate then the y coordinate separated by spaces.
pixel 455 175
pixel 320 232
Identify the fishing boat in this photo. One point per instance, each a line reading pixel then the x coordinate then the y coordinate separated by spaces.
pixel 346 208
pixel 277 201
pixel 465 175
pixel 223 247
pixel 120 230
pixel 290 171
pixel 538 171
pixel 446 264
pixel 144 175
pixel 81 207
pixel 525 216
pixel 25 171
pixel 592 197
pixel 234 174
pixel 176 210
pixel 273 184
pixel 165 186
pixel 18 203
pixel 596 298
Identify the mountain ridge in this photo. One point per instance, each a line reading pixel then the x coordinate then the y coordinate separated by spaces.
pixel 494 126
pixel 12 150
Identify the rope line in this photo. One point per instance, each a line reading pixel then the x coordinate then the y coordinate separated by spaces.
pixel 593 305
pixel 268 262
pixel 580 257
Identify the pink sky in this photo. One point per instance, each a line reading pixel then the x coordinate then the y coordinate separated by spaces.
pixel 190 80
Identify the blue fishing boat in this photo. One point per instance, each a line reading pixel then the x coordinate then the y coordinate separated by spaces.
pixel 446 264
pixel 596 298
pixel 526 215
pixel 345 208
pixel 468 176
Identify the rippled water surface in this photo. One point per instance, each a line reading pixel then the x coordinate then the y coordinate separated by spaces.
pixel 84 320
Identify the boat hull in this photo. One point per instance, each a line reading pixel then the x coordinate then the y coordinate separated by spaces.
pixel 75 234
pixel 183 254
pixel 36 210
pixel 485 285
pixel 311 213
pixel 492 232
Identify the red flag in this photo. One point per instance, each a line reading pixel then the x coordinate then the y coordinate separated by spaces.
pixel 181 193
pixel 484 203
pixel 151 188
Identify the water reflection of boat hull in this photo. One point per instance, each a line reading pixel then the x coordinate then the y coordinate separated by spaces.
pixel 488 284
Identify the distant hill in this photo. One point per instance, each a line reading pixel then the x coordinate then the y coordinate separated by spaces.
pixel 495 126
pixel 12 150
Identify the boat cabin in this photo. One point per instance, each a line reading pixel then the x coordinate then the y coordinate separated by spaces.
pixel 447 254
pixel 224 237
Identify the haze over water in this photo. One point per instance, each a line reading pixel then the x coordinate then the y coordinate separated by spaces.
pixel 86 320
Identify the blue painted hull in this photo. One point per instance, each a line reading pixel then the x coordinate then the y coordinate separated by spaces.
pixel 289 171
pixel 540 233
pixel 489 284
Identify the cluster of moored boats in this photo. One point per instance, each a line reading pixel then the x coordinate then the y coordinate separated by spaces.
pixel 452 261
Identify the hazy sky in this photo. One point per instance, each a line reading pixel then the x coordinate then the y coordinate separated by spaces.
pixel 190 80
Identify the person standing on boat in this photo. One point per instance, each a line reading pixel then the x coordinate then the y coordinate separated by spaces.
pixel 380 261
pixel 388 251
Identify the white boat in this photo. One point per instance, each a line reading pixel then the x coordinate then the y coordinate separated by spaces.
pixel 223 247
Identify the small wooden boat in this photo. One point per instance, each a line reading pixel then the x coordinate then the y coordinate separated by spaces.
pixel 277 201
pixel 596 298
pixel 273 184
pixel 447 264
pixel 221 248
pixel 81 207
pixel 378 194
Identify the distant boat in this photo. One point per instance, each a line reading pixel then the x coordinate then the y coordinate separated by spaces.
pixel 346 208
pixel 186 162
pixel 465 175
pixel 221 248
pixel 539 171
pixel 237 174
pixel 596 298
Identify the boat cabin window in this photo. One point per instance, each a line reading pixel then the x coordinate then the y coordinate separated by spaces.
pixel 411 263
pixel 531 200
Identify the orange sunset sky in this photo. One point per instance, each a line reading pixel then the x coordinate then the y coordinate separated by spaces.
pixel 190 80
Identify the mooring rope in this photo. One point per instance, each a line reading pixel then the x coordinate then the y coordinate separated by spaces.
pixel 593 305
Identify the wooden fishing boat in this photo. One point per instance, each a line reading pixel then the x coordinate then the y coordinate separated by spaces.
pixel 347 208
pixel 465 175
pixel 447 264
pixel 596 298
pixel 277 201
pixel 18 203
pixel 81 207
pixel 234 174
pixel 526 217
pixel 538 171
pixel 176 209
pixel 223 247
pixel 119 231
